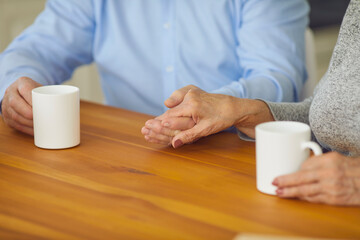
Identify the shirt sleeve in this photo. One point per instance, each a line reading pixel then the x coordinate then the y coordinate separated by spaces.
pixel 271 52
pixel 48 51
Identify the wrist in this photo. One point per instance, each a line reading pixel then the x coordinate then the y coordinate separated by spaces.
pixel 251 113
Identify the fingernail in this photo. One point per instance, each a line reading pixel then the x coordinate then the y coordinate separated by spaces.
pixel 148 124
pixel 178 143
pixel 166 124
pixel 275 182
pixel 279 192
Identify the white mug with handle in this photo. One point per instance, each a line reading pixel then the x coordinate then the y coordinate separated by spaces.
pixel 281 148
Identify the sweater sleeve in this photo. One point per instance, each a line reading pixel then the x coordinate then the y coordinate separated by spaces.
pixel 286 112
pixel 291 111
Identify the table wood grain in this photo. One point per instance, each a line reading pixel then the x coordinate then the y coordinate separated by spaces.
pixel 114 185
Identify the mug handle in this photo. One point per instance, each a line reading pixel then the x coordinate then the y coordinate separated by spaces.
pixel 313 146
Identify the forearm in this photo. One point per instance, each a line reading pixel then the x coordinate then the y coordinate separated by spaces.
pixel 250 113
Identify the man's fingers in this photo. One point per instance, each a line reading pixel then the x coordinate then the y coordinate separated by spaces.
pixel 297 178
pixel 19 118
pixel 25 87
pixel 20 127
pixel 178 123
pixel 20 106
pixel 154 135
pixel 157 128
pixel 178 96
pixel 152 140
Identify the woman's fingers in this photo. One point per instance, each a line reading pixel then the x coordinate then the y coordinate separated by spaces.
pixel 190 135
pixel 297 178
pixel 178 96
pixel 300 191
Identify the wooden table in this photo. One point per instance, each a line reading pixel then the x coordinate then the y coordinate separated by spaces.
pixel 116 186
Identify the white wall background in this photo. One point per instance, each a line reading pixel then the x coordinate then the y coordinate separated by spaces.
pixel 16 15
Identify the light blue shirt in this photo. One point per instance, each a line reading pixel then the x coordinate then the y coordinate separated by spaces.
pixel 146 49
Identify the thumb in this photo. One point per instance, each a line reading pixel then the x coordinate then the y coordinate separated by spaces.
pixel 187 136
pixel 178 96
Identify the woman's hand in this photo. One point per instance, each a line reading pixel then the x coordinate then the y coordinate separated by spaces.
pixel 330 178
pixel 203 113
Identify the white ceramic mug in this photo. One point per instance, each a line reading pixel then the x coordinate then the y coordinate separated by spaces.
pixel 56 116
pixel 281 148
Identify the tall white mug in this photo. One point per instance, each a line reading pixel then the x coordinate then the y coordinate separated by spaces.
pixel 56 116
pixel 281 148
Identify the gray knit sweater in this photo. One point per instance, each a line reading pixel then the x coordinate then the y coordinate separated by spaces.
pixel 334 110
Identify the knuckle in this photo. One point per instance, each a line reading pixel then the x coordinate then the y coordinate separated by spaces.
pixel 176 93
pixel 188 136
pixel 7 91
pixel 333 159
pixel 191 86
pixel 190 123
pixel 307 163
pixel 157 128
pixel 335 174
pixel 13 116
pixel 304 191
pixel 337 188
pixel 22 79
pixel 194 104
pixel 12 101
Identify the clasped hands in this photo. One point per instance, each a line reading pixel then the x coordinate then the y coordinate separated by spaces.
pixel 195 113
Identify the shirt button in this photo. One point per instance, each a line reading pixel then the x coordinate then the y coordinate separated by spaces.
pixel 170 69
pixel 167 25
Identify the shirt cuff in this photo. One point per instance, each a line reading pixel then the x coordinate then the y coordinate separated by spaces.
pixel 233 89
pixel 244 137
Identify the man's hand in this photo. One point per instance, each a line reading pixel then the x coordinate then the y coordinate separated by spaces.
pixel 17 105
pixel 155 131
pixel 330 178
